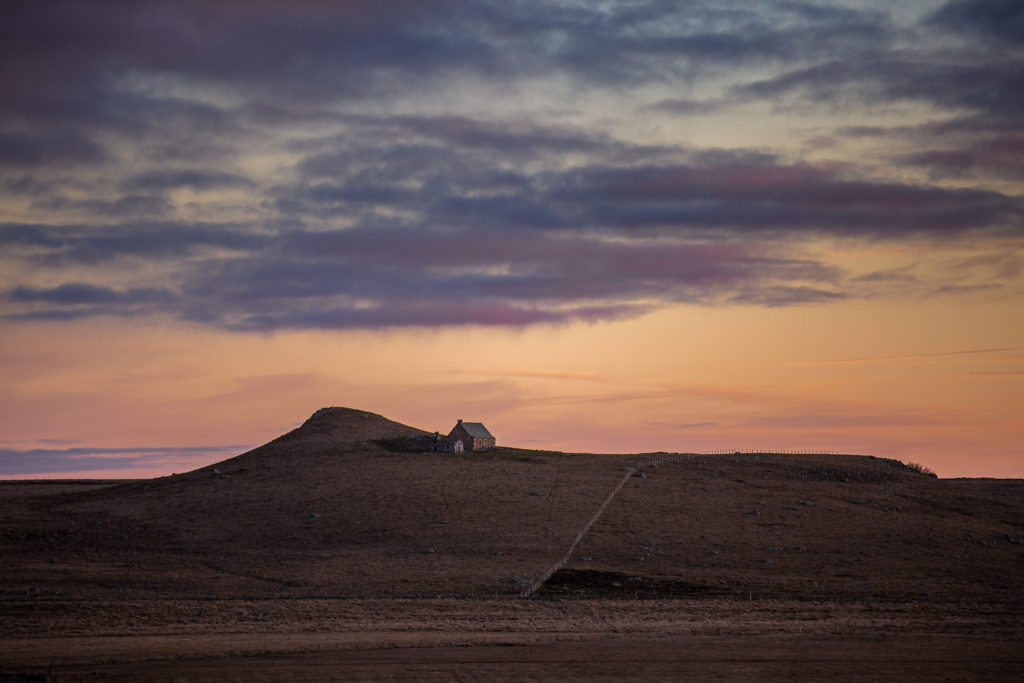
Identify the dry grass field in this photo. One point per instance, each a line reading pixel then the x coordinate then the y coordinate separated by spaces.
pixel 342 550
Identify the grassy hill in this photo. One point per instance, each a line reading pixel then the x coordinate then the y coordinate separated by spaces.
pixel 349 505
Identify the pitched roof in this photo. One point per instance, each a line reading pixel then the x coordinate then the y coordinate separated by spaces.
pixel 477 430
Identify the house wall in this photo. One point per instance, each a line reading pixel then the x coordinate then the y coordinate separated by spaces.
pixel 468 442
pixel 460 433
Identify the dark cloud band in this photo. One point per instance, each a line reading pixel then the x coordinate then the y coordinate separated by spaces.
pixel 274 165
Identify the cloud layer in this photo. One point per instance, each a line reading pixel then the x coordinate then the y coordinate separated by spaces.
pixel 21 462
pixel 269 165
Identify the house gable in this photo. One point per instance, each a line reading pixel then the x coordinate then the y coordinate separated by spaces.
pixel 473 435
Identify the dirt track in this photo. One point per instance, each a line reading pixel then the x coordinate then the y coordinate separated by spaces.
pixel 767 658
pixel 541 640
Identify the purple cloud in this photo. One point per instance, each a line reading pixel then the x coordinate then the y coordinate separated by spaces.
pixel 35 149
pixel 85 459
pixel 1002 20
pixel 196 179
pixel 376 164
pixel 83 293
pixel 1002 156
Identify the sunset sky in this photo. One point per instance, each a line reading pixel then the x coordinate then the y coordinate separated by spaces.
pixel 609 226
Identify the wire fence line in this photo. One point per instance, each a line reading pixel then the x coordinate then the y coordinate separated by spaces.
pixel 561 562
pixel 762 451
pixel 678 458
pixel 733 454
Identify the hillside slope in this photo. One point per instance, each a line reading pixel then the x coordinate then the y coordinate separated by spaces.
pixel 349 505
pixel 344 505
pixel 803 527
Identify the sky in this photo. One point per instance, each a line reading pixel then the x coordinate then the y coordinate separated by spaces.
pixel 605 226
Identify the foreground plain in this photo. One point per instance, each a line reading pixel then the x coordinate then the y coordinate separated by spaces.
pixel 343 550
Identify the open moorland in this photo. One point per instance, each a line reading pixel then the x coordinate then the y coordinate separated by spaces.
pixel 344 550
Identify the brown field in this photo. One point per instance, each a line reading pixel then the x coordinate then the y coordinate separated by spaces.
pixel 341 550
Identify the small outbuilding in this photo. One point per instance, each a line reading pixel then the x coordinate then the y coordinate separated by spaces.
pixel 473 436
pixel 446 446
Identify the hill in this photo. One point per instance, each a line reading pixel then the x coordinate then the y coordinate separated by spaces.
pixel 343 537
pixel 345 505
pixel 349 505
pixel 804 527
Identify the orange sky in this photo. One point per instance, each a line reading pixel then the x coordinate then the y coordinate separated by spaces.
pixel 620 226
pixel 909 381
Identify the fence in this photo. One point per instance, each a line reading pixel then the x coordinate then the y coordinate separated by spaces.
pixel 535 586
pixel 764 451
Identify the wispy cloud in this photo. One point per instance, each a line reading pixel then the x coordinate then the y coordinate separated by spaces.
pixel 554 375
pixel 912 357
pixel 690 425
pixel 86 459
pixel 1007 373
pixel 371 165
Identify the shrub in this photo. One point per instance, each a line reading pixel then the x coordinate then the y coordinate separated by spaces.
pixel 921 469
